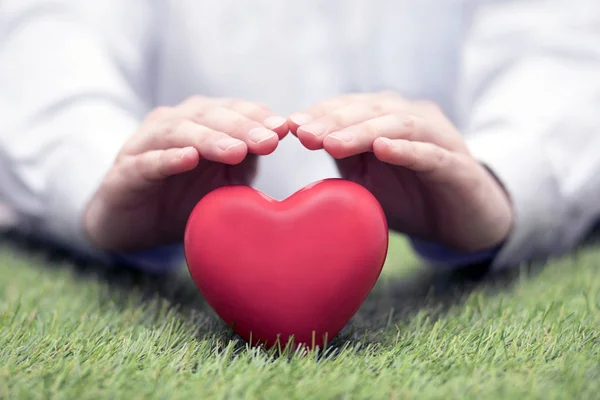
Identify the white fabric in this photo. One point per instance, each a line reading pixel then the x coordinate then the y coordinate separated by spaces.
pixel 521 79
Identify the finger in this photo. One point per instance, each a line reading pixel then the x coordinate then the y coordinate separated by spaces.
pixel 436 117
pixel 228 102
pixel 260 113
pixel 267 118
pixel 259 139
pixel 424 158
pixel 325 107
pixel 197 107
pixel 321 108
pixel 359 138
pixel 311 135
pixel 142 171
pixel 210 144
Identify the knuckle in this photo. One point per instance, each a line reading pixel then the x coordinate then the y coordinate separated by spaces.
pixel 441 156
pixel 177 126
pixel 371 129
pixel 413 155
pixel 193 103
pixel 204 136
pixel 378 108
pixel 429 106
pixel 238 122
pixel 229 102
pixel 401 123
pixel 200 113
pixel 122 159
pixel 409 122
pixel 195 99
pixel 131 144
pixel 168 134
pixel 337 117
pixel 262 106
pixel 159 113
pixel 209 109
pixel 250 110
pixel 129 148
pixel 138 162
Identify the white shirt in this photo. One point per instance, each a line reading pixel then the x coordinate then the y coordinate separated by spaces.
pixel 521 79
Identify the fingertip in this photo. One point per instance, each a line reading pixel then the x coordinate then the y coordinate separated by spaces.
pixel 176 161
pixel 231 151
pixel 277 124
pixel 292 126
pixel 264 148
pixel 301 118
pixel 188 155
pixel 337 148
pixel 187 158
pixel 263 144
pixel 293 129
pixel 309 140
pixel 383 143
pixel 283 130
pixel 296 120
pixel 383 148
pixel 236 154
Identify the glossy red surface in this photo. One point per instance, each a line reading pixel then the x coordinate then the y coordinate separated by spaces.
pixel 301 267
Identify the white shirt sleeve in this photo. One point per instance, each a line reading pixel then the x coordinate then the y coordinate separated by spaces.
pixel 530 89
pixel 73 81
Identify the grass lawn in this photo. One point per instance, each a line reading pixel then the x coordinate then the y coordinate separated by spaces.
pixel 75 332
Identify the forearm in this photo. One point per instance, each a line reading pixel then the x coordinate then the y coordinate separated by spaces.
pixel 530 94
pixel 66 109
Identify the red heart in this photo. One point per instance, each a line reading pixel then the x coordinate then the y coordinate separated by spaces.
pixel 300 267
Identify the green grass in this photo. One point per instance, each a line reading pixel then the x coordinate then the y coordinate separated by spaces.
pixel 74 332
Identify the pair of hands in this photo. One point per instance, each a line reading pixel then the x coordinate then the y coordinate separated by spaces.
pixel 407 153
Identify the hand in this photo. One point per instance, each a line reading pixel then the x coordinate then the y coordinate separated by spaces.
pixel 177 156
pixel 409 155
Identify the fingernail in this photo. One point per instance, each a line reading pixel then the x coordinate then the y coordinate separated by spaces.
pixel 386 141
pixel 343 136
pixel 184 151
pixel 301 119
pixel 314 129
pixel 258 135
pixel 227 143
pixel 274 122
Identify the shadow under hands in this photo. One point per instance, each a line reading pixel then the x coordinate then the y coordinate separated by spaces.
pixel 175 287
pixel 398 299
pixel 391 300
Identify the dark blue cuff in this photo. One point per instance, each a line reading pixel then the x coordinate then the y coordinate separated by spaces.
pixel 439 254
pixel 156 261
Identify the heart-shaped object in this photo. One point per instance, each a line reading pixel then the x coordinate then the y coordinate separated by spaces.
pixel 299 267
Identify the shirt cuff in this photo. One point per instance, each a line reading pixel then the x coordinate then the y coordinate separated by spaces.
pixel 445 257
pixel 160 260
pixel 520 165
pixel 73 172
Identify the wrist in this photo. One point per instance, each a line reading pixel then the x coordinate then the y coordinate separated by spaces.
pixel 93 218
pixel 506 208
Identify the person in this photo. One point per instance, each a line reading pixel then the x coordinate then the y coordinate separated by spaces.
pixel 476 124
